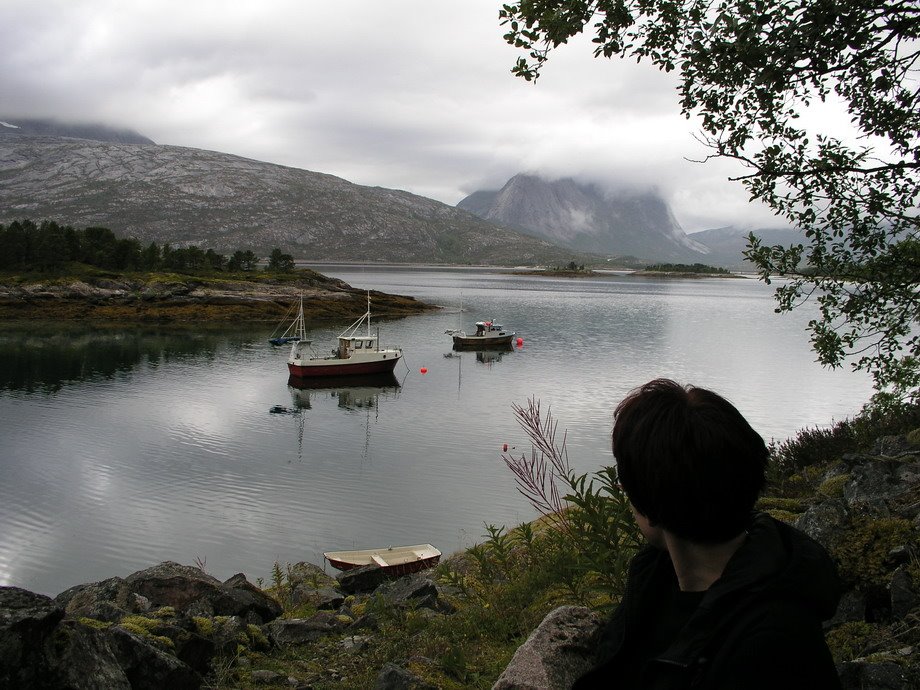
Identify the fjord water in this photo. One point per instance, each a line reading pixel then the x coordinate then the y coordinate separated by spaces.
pixel 126 446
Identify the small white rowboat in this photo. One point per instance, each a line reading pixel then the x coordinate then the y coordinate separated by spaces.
pixel 396 560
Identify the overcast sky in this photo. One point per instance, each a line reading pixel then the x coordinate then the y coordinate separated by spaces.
pixel 407 94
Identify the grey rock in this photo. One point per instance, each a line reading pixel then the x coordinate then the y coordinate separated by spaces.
pixel 27 620
pixel 325 598
pixel 302 630
pixel 363 579
pixel 310 575
pixel 393 677
pixel 416 590
pixel 852 608
pixel 148 667
pixel 355 643
pixel 883 487
pixel 559 651
pixel 82 658
pixel 892 446
pixel 81 600
pixel 901 589
pixel 824 522
pixel 263 677
pixel 886 675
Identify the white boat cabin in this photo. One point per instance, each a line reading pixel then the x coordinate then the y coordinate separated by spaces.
pixel 484 328
pixel 351 345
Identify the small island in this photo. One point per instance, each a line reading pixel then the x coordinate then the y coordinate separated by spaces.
pixel 58 272
pixel 571 270
pixel 685 271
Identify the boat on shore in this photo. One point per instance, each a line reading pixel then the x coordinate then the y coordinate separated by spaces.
pixel 395 560
pixel 488 334
pixel 355 354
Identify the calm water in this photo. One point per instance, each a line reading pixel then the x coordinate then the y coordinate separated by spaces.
pixel 125 447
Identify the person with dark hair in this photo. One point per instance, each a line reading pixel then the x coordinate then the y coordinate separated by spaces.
pixel 723 597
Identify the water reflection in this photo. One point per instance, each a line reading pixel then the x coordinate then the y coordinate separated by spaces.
pixel 44 358
pixel 349 392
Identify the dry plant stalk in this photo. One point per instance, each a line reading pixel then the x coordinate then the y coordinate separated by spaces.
pixel 538 477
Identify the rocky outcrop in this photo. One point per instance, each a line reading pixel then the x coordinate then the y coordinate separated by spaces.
pixel 170 625
pixel 560 650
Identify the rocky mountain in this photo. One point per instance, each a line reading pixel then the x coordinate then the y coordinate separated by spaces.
pixel 96 132
pixel 726 244
pixel 215 200
pixel 586 218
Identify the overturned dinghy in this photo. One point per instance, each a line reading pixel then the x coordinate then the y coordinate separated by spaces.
pixel 394 560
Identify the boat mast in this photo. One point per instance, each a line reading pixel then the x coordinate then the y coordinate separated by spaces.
pixel 369 314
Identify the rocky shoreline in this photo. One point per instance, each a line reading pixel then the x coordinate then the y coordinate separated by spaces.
pixel 178 299
pixel 176 626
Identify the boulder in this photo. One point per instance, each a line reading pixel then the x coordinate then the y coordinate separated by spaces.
pixel 416 590
pixel 901 589
pixel 27 621
pixel 559 651
pixel 149 668
pixel 82 658
pixel 191 591
pixel 877 488
pixel 824 522
pixel 309 574
pixel 365 578
pixel 303 630
pixel 881 675
pixel 325 598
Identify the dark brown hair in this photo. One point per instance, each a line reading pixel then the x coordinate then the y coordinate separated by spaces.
pixel 688 460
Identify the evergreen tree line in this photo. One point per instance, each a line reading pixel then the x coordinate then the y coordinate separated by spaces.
pixel 48 246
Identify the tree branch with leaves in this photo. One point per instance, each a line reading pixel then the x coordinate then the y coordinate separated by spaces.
pixel 748 71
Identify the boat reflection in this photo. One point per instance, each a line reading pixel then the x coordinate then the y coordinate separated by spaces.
pixel 350 392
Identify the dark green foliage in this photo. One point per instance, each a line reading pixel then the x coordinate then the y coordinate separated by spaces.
pixel 687 268
pixel 815 446
pixel 279 261
pixel 747 72
pixel 49 247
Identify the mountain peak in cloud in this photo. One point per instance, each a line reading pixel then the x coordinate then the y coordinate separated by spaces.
pixel 585 217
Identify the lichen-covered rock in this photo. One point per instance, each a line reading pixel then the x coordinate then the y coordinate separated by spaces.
pixel 148 667
pixel 82 658
pixel 559 651
pixel 824 522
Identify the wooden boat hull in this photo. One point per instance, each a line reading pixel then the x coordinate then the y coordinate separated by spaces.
pixel 472 342
pixel 394 561
pixel 343 367
pixel 382 380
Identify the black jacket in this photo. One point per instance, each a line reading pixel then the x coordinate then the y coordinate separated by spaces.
pixel 757 627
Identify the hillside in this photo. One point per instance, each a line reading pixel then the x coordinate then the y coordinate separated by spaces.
pixel 215 200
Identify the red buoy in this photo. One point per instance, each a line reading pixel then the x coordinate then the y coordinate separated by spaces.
pixel 520 342
pixel 504 448
pixel 423 370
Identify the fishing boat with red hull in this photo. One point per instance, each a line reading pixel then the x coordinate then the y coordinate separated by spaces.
pixel 355 354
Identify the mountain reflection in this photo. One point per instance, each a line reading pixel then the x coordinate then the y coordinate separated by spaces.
pixel 45 358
